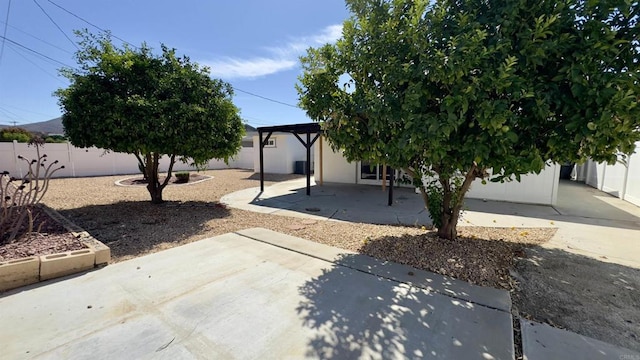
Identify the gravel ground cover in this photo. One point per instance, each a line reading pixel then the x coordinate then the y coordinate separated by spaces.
pixel 125 220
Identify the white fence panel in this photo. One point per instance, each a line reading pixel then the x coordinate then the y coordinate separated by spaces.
pixel 532 189
pixel 97 162
pixel 613 182
pixel 632 188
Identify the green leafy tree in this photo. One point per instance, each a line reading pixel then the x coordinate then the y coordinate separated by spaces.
pixel 15 133
pixel 451 91
pixel 130 100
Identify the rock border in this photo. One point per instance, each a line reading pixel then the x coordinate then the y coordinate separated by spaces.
pixel 30 270
pixel 119 182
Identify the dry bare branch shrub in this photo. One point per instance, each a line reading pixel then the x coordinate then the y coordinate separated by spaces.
pixel 19 196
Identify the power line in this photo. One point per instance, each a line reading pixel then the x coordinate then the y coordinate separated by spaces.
pixel 37 38
pixel 128 43
pixel 54 23
pixel 95 26
pixel 265 98
pixel 6 22
pixel 36 52
pixel 4 106
pixel 38 66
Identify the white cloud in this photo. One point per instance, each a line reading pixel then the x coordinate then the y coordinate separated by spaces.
pixel 248 68
pixel 280 58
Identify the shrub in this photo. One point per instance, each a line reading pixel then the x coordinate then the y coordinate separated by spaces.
pixel 19 196
pixel 15 133
pixel 182 177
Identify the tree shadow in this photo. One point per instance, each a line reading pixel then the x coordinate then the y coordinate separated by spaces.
pixel 132 228
pixel 582 294
pixel 255 176
pixel 354 312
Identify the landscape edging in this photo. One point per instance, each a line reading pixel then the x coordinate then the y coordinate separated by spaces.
pixel 29 270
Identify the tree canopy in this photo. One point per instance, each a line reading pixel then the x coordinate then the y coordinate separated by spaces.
pixel 134 101
pixel 458 88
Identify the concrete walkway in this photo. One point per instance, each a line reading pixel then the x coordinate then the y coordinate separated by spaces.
pixel 589 222
pixel 256 294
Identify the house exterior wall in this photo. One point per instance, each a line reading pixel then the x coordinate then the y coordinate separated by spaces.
pixel 335 167
pixel 95 162
pixel 534 189
pixel 281 158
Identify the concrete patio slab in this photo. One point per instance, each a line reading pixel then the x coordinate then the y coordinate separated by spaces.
pixel 543 342
pixel 250 295
pixel 461 290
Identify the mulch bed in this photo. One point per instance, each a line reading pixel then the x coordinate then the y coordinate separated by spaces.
pixel 52 238
pixel 139 181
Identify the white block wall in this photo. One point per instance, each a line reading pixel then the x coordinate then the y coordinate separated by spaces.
pixel 96 162
pixel 532 189
pixel 620 180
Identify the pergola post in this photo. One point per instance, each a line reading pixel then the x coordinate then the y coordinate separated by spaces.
pixel 261 161
pixel 308 146
pixel 391 173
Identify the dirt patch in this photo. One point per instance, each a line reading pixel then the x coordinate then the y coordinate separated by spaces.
pixel 593 298
pixel 52 238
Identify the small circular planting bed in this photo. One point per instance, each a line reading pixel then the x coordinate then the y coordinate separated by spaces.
pixel 139 181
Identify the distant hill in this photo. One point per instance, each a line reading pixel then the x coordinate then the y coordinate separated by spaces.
pixel 54 126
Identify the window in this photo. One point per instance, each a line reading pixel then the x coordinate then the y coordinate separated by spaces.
pixel 271 143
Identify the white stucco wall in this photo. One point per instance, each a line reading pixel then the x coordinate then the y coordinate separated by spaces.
pixel 334 166
pixel 534 189
pixel 281 159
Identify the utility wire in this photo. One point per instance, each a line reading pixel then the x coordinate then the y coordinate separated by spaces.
pixel 128 43
pixel 37 38
pixel 94 25
pixel 56 24
pixel 5 106
pixel 36 65
pixel 265 98
pixel 6 22
pixel 34 51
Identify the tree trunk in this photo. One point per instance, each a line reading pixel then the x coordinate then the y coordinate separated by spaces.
pixel 449 229
pixel 153 182
pixel 454 200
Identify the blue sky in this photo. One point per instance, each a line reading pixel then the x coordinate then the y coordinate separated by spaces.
pixel 254 45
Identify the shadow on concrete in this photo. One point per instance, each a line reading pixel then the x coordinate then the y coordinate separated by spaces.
pixel 590 297
pixel 577 203
pixel 353 319
pixel 353 203
pixel 125 226
pixel 269 177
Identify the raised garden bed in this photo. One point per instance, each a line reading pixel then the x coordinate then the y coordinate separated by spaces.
pixel 83 254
